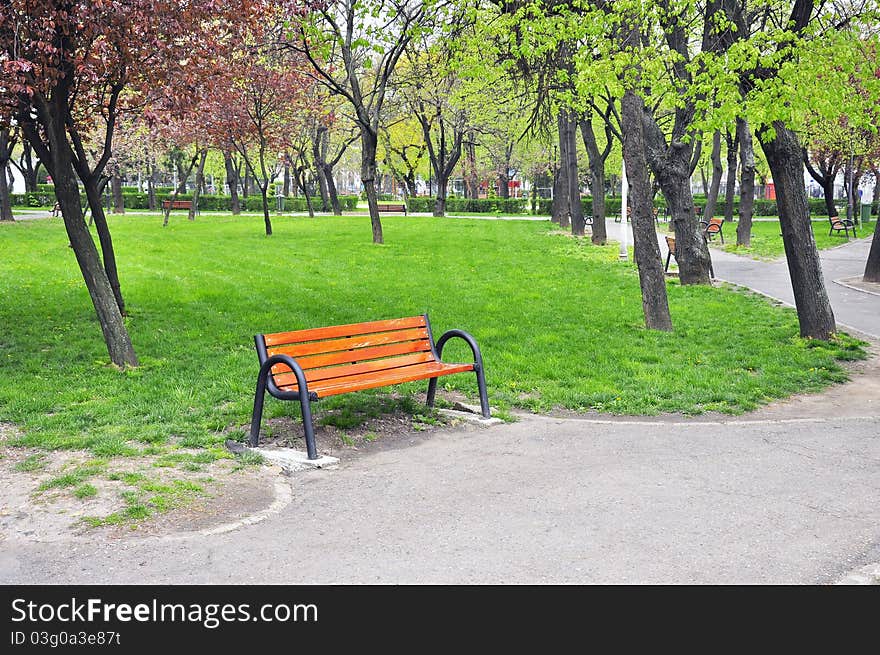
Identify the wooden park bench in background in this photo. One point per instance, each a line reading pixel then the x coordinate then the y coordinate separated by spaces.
pixel 713 227
pixel 838 224
pixel 169 205
pixel 670 244
pixel 307 365
pixel 392 208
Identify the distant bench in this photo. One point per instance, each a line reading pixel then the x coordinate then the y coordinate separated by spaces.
pixel 169 205
pixel 399 208
pixel 838 224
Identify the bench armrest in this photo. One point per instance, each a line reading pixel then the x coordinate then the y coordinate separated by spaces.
pixel 295 368
pixel 461 334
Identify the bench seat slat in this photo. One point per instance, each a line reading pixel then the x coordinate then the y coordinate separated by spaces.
pixel 359 355
pixel 350 330
pixel 351 343
pixel 385 378
pixel 285 377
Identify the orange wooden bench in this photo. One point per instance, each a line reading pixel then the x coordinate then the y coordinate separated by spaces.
pixel 169 205
pixel 713 227
pixel 307 365
pixel 394 207
pixel 838 224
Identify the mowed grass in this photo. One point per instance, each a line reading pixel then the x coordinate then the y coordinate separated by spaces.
pixel 559 321
pixel 767 238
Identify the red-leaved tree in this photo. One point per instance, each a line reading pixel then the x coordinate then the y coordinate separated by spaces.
pixel 70 68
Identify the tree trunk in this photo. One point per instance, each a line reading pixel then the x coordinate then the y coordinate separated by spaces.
pixel 597 177
pixel 331 190
pixel 200 181
pixel 116 191
pixel 369 144
pixel 730 188
pixel 717 171
pixel 6 146
pixel 264 194
pixel 440 199
pixel 560 207
pixel 30 169
pixel 647 252
pixel 672 170
pixel 872 266
pixel 784 155
pixel 575 208
pixel 322 187
pixel 5 200
pixel 67 192
pixel 151 187
pixel 471 182
pixel 503 186
pixel 108 255
pixel 875 205
pixel 232 181
pixel 746 183
pixel 285 189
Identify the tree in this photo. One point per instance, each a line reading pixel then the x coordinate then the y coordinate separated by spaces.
pixel 353 47
pixel 263 91
pixel 8 139
pixel 70 68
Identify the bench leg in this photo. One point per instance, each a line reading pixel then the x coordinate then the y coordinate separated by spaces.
pixel 306 407
pixel 668 258
pixel 481 385
pixel 256 418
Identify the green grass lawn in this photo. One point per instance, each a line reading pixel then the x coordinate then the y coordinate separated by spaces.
pixel 559 321
pixel 767 238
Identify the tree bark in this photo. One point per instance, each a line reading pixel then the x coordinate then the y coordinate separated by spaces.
pixel 560 206
pixel 875 205
pixel 785 157
pixel 200 181
pixel 730 188
pixel 746 183
pixel 108 254
pixel 471 181
pixel 672 170
pixel 5 199
pixel 872 266
pixel 30 169
pixel 568 127
pixel 647 252
pixel 369 145
pixel 232 181
pixel 597 177
pixel 717 171
pixel 6 146
pixel 116 191
pixel 116 336
pixel 151 186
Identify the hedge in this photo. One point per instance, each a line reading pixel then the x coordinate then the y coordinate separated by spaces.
pixel 481 205
pixel 134 200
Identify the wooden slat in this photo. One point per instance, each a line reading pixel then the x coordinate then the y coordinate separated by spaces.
pixel 360 355
pixel 334 331
pixel 328 373
pixel 350 343
pixel 384 378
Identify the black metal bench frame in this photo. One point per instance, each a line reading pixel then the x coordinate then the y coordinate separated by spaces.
pixel 838 224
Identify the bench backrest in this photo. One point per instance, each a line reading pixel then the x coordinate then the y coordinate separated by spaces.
pixel 177 204
pixel 670 243
pixel 392 208
pixel 714 225
pixel 341 350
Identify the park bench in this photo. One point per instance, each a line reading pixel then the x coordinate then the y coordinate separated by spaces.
pixel 308 365
pixel 670 244
pixel 392 207
pixel 713 227
pixel 169 205
pixel 56 209
pixel 838 224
